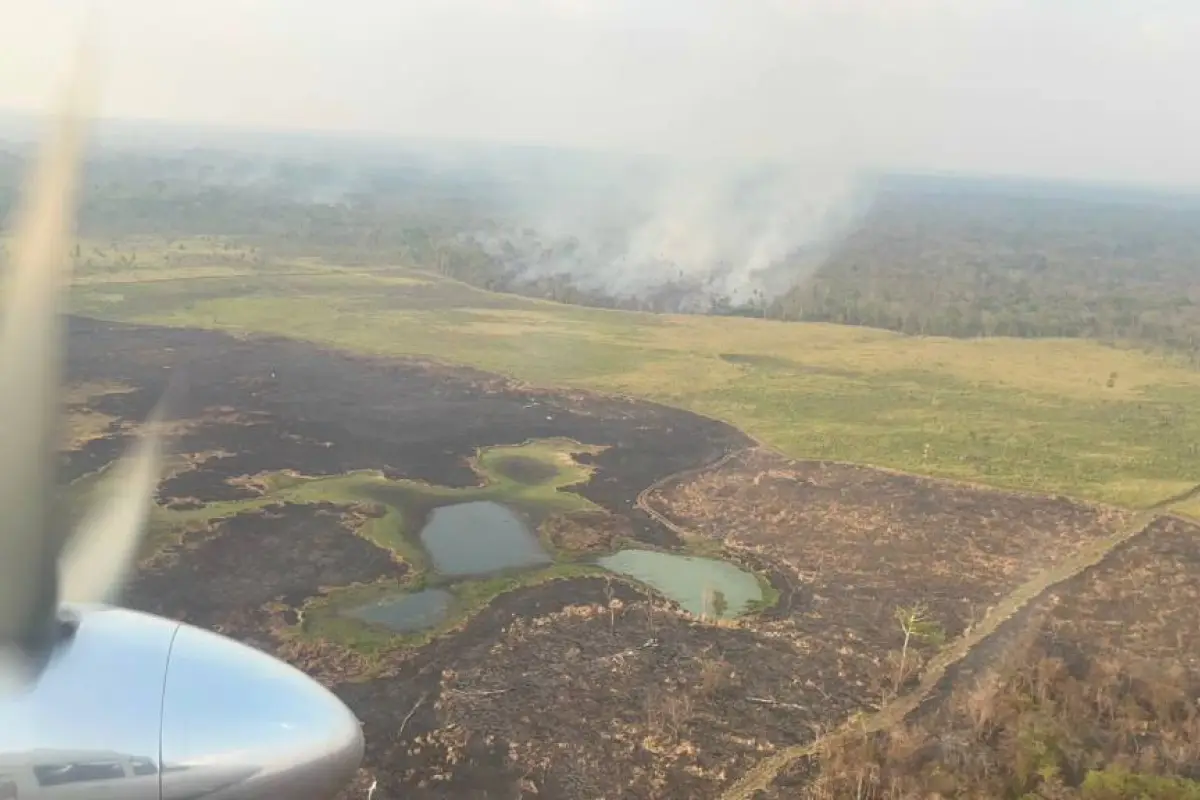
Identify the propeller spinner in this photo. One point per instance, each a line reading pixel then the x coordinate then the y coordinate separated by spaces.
pixel 98 701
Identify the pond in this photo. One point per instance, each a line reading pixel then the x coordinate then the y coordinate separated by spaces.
pixel 406 613
pixel 690 581
pixel 479 537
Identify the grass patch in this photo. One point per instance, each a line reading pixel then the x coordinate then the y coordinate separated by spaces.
pixel 84 424
pixel 538 467
pixel 770 596
pixel 1188 508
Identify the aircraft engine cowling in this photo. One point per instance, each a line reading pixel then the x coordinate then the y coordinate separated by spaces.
pixel 137 707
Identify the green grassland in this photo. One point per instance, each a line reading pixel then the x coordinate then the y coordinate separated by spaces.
pixel 1052 415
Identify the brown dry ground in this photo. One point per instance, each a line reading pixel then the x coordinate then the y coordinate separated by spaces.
pixel 570 692
pixel 1101 671
pixel 586 532
pixel 1137 606
pixel 1142 601
pixel 864 542
pixel 579 688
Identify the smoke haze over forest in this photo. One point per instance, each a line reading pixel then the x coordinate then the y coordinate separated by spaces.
pixel 724 231
pixel 770 113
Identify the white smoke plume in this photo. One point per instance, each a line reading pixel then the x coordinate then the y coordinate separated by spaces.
pixel 708 232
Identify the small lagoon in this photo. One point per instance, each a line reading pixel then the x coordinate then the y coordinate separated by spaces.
pixel 408 612
pixel 689 580
pixel 478 538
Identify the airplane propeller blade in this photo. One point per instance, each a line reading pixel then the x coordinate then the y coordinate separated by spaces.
pixel 104 546
pixel 39 568
pixel 30 367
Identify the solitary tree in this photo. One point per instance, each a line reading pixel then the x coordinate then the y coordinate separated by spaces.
pixel 719 604
pixel 715 604
pixel 917 625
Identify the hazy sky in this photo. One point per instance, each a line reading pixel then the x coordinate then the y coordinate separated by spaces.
pixel 1093 88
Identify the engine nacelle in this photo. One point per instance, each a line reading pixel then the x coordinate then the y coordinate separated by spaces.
pixel 135 706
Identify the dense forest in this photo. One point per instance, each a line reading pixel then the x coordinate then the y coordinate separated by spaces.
pixel 943 256
pixel 985 262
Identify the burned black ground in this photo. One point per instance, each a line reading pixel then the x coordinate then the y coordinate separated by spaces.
pixel 302 407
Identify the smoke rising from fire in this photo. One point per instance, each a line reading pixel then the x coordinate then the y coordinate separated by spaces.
pixel 694 234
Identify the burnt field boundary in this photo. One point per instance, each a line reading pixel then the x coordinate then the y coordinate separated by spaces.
pixel 410 418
